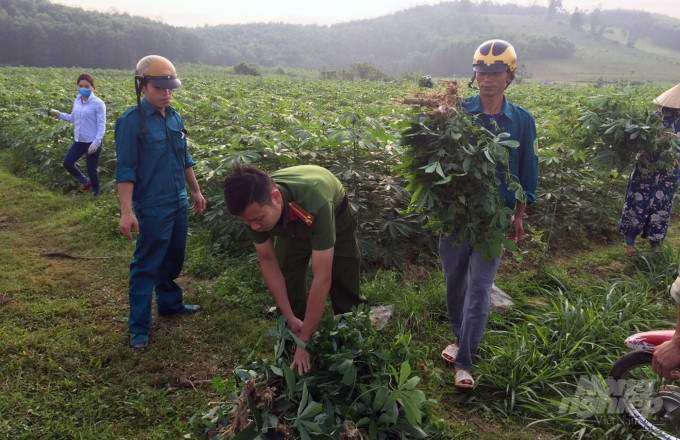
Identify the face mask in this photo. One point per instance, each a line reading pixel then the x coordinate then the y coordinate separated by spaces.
pixel 85 92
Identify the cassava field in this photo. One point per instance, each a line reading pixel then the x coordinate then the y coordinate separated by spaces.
pixel 65 369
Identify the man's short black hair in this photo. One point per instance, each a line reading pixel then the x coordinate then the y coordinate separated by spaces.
pixel 245 186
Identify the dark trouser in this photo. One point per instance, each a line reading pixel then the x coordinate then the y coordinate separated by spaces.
pixel 158 260
pixel 469 278
pixel 76 152
pixel 294 255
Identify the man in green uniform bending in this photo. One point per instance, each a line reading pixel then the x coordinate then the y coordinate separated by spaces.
pixel 305 208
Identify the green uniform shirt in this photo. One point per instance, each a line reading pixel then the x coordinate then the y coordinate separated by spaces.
pixel 319 193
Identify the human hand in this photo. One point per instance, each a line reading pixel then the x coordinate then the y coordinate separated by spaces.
pixel 666 359
pixel 517 225
pixel 128 221
pixel 55 113
pixel 302 360
pixel 93 149
pixel 199 201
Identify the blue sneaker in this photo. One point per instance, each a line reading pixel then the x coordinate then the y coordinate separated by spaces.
pixel 187 309
pixel 139 341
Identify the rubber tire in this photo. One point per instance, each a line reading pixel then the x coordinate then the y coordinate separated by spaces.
pixel 620 370
pixel 628 361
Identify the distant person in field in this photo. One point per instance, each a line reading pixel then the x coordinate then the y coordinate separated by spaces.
pixel 469 276
pixel 89 124
pixel 649 197
pixel 154 168
pixel 426 81
pixel 297 214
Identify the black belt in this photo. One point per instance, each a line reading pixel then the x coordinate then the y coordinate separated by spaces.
pixel 343 207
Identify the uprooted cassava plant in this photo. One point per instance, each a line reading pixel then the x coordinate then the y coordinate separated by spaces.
pixel 619 131
pixel 361 387
pixel 452 162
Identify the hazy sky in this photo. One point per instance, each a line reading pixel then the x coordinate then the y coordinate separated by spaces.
pixel 213 12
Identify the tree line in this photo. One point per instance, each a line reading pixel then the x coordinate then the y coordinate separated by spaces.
pixel 438 39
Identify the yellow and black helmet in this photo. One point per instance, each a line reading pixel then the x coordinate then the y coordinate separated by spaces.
pixel 494 56
pixel 157 70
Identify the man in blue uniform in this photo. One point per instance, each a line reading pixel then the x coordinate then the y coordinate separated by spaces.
pixel 469 276
pixel 154 167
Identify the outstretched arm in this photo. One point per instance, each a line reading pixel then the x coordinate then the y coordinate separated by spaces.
pixel 667 355
pixel 273 278
pixel 322 267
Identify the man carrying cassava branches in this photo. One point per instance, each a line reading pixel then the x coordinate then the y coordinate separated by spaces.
pixel 469 276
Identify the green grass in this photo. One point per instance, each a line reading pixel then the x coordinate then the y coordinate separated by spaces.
pixel 570 319
pixel 66 372
pixel 65 369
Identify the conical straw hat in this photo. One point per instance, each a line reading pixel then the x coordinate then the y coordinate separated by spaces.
pixel 670 98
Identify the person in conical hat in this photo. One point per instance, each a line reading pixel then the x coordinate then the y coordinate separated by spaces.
pixel 649 197
pixel 669 99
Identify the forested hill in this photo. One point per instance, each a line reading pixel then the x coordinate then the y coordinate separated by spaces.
pixel 438 39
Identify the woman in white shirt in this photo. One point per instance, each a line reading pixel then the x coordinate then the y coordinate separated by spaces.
pixel 89 119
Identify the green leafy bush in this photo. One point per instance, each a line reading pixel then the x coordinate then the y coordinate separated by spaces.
pixel 620 132
pixel 361 386
pixel 246 69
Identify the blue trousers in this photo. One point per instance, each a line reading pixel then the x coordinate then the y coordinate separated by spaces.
pixel 76 152
pixel 469 278
pixel 158 260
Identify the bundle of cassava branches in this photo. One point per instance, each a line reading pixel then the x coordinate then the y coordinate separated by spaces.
pixel 452 163
pixel 361 387
pixel 618 130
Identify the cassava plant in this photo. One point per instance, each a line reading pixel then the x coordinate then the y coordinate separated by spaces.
pixel 619 131
pixel 361 387
pixel 451 162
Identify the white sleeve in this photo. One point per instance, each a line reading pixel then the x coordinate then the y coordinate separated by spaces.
pixel 101 124
pixel 675 290
pixel 68 117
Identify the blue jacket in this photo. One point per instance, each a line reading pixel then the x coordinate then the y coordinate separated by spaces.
pixel 154 163
pixel 523 161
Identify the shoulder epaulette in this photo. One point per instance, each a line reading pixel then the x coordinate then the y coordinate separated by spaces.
pixel 298 213
pixel 127 112
pixel 525 110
